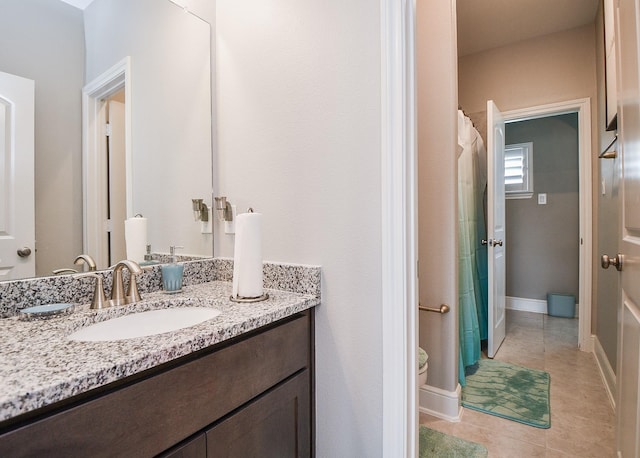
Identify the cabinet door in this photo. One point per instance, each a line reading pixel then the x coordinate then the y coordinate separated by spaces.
pixel 277 424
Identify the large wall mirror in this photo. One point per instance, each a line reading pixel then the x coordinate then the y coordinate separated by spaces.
pixel 167 109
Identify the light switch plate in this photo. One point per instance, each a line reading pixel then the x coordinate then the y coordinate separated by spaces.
pixel 542 199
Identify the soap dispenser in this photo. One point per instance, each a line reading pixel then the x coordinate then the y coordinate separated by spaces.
pixel 172 273
pixel 148 258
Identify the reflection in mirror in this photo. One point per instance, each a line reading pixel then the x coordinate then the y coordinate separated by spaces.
pixel 16 160
pixel 168 144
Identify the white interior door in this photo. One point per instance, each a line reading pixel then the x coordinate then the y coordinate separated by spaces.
pixel 495 228
pixel 17 221
pixel 117 182
pixel 628 366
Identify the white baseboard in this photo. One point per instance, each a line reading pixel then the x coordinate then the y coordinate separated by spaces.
pixel 606 371
pixel 526 305
pixel 529 305
pixel 440 403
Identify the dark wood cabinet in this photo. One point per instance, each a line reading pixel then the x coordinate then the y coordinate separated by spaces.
pixel 251 396
pixel 275 425
pixel 191 448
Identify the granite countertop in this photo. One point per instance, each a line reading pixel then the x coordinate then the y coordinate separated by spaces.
pixel 40 366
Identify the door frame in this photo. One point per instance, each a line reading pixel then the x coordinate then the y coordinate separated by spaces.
pixel 94 155
pixel 583 108
pixel 399 229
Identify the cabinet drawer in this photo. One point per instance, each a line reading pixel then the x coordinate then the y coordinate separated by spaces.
pixel 152 415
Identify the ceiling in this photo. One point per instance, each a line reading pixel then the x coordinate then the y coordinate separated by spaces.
pixel 487 24
pixel 82 4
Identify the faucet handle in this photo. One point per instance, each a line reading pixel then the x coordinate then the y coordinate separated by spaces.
pixel 99 300
pixel 133 295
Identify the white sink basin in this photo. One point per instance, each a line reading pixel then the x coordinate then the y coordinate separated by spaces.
pixel 144 324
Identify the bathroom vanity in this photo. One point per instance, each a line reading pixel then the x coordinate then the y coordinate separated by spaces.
pixel 240 384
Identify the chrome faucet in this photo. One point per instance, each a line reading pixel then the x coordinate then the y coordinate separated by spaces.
pixel 86 259
pixel 117 291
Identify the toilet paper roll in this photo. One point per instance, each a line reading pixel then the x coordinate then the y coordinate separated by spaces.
pixel 247 256
pixel 135 237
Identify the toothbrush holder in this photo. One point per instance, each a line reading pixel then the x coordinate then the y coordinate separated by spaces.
pixel 172 275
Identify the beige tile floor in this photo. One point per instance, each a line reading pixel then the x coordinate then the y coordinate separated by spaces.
pixel 582 418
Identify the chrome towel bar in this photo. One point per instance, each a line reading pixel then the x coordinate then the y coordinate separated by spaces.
pixel 444 308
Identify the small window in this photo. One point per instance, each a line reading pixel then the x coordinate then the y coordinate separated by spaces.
pixel 518 171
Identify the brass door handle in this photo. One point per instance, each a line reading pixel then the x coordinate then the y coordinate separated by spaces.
pixel 606 261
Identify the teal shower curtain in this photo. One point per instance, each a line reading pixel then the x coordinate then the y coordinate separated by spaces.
pixel 472 255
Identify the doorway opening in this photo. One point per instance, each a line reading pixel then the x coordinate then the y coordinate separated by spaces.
pixel 116 175
pixel 542 223
pixel 581 110
pixel 103 98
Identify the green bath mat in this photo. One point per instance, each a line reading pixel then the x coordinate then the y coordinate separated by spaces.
pixel 440 445
pixel 508 391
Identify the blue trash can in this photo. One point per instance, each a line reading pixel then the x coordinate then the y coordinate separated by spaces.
pixel 563 305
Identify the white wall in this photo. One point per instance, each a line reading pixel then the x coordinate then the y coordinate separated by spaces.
pixel 171 110
pixel 299 140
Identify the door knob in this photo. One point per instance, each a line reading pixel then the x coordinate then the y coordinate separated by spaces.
pixel 495 242
pixel 24 252
pixel 483 242
pixel 606 261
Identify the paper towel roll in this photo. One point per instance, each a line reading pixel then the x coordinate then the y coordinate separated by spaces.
pixel 135 237
pixel 247 256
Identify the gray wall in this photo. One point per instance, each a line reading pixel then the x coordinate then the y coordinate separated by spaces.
pixel 606 297
pixel 437 189
pixel 543 240
pixel 43 40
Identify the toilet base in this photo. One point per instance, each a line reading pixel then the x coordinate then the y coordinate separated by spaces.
pixel 422 378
